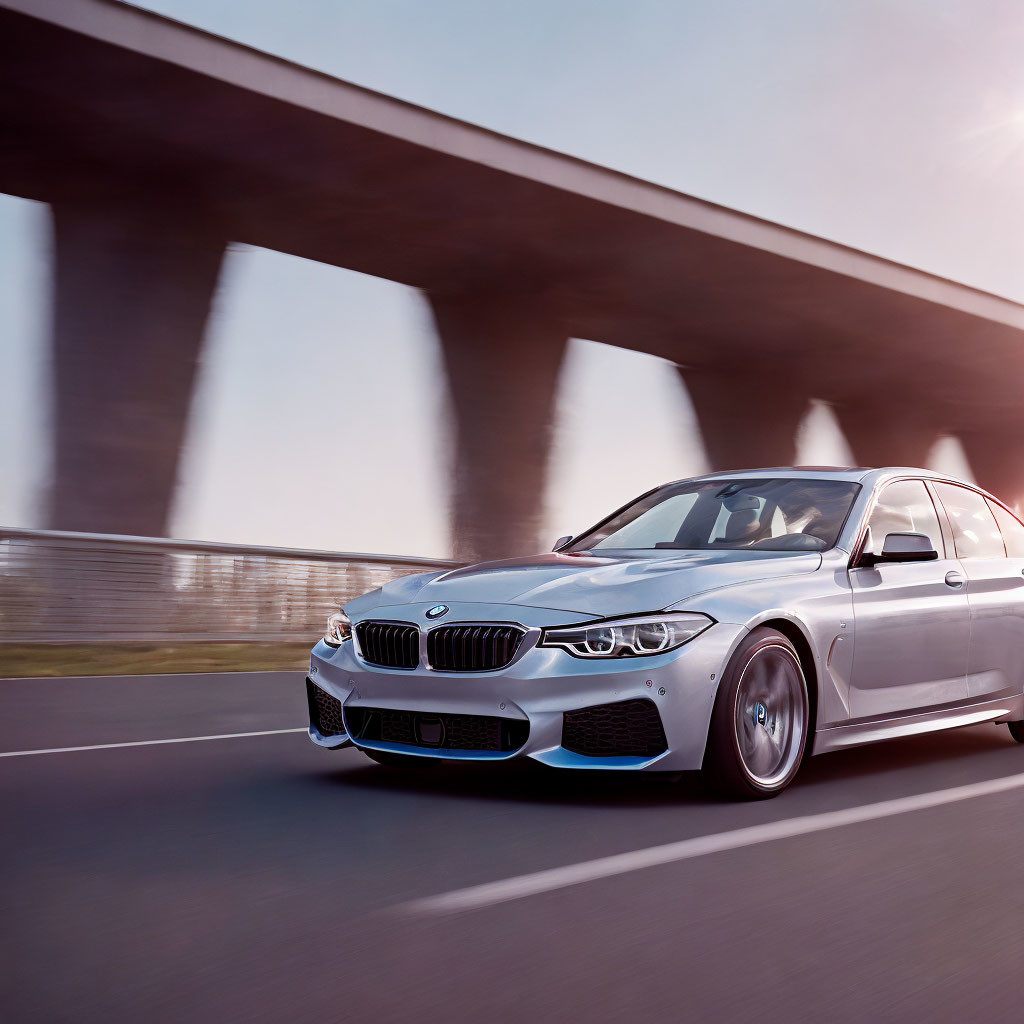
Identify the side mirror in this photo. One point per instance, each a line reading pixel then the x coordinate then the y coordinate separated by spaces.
pixel 561 542
pixel 906 547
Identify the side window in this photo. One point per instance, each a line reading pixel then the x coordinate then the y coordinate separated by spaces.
pixel 974 530
pixel 1012 530
pixel 904 507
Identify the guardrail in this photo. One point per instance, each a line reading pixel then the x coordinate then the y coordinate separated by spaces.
pixel 59 587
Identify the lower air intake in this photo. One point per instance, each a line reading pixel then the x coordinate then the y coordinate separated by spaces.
pixel 438 731
pixel 324 711
pixel 628 728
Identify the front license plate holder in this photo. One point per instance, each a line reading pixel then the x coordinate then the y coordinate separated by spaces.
pixel 429 731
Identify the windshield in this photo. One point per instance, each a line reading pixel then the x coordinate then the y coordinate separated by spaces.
pixel 784 514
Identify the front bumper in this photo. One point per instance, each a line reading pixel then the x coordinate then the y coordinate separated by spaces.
pixel 537 688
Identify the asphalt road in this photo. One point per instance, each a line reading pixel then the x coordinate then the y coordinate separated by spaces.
pixel 261 879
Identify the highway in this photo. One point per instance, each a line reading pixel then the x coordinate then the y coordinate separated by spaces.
pixel 257 878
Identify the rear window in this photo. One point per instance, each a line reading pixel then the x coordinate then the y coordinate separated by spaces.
pixel 1011 528
pixel 974 529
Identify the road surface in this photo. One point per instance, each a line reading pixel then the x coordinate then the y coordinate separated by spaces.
pixel 257 878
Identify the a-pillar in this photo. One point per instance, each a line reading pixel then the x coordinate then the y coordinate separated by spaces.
pixel 503 352
pixel 747 421
pixel 893 433
pixel 133 286
pixel 995 461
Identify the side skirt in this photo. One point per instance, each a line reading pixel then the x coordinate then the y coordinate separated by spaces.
pixel 1009 708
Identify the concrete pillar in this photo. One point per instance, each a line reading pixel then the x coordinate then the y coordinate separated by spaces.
pixel 133 286
pixel 995 459
pixel 503 352
pixel 747 421
pixel 890 433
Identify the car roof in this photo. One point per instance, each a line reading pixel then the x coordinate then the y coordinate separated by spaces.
pixel 857 474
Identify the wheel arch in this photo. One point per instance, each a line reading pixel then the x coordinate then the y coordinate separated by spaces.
pixel 799 639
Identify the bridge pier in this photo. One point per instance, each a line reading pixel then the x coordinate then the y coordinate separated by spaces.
pixel 747 421
pixel 133 286
pixel 996 463
pixel 887 434
pixel 503 351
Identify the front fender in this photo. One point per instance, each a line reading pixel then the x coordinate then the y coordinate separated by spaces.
pixel 820 606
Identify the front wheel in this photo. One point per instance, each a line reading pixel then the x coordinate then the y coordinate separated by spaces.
pixel 759 724
pixel 1017 731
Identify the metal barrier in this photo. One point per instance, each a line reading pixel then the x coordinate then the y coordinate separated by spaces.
pixel 58 587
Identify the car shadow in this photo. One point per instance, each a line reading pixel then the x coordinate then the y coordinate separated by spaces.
pixel 976 749
pixel 963 755
pixel 525 782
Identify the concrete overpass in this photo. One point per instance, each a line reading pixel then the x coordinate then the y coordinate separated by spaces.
pixel 157 144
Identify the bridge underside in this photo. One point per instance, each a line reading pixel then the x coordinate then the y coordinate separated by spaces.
pixel 157 145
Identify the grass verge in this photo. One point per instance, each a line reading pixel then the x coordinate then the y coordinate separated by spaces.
pixel 17 660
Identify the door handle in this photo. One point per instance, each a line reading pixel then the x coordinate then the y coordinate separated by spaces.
pixel 954 579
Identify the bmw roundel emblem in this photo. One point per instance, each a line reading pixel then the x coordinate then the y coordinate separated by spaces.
pixel 437 611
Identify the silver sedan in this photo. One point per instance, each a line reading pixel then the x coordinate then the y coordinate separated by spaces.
pixel 732 623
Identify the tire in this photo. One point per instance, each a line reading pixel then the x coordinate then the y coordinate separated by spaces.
pixel 760 722
pixel 1017 731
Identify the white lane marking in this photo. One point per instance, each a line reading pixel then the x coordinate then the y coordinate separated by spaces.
pixel 149 743
pixel 491 893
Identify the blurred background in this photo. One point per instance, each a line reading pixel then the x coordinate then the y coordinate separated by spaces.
pixel 298 297
pixel 467 354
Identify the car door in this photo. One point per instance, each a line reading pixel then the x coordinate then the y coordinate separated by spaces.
pixel 995 590
pixel 911 619
pixel 1012 530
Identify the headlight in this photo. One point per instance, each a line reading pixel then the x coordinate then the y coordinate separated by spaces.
pixel 628 638
pixel 339 629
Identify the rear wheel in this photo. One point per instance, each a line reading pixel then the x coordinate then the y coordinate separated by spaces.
pixel 759 724
pixel 1017 731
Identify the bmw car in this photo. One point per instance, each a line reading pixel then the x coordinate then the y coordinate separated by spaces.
pixel 732 624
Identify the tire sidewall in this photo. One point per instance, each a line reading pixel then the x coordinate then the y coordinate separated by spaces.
pixel 723 764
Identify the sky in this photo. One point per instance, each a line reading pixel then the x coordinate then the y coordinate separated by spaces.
pixel 895 127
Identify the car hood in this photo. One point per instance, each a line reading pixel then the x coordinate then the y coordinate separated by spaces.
pixel 598 586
